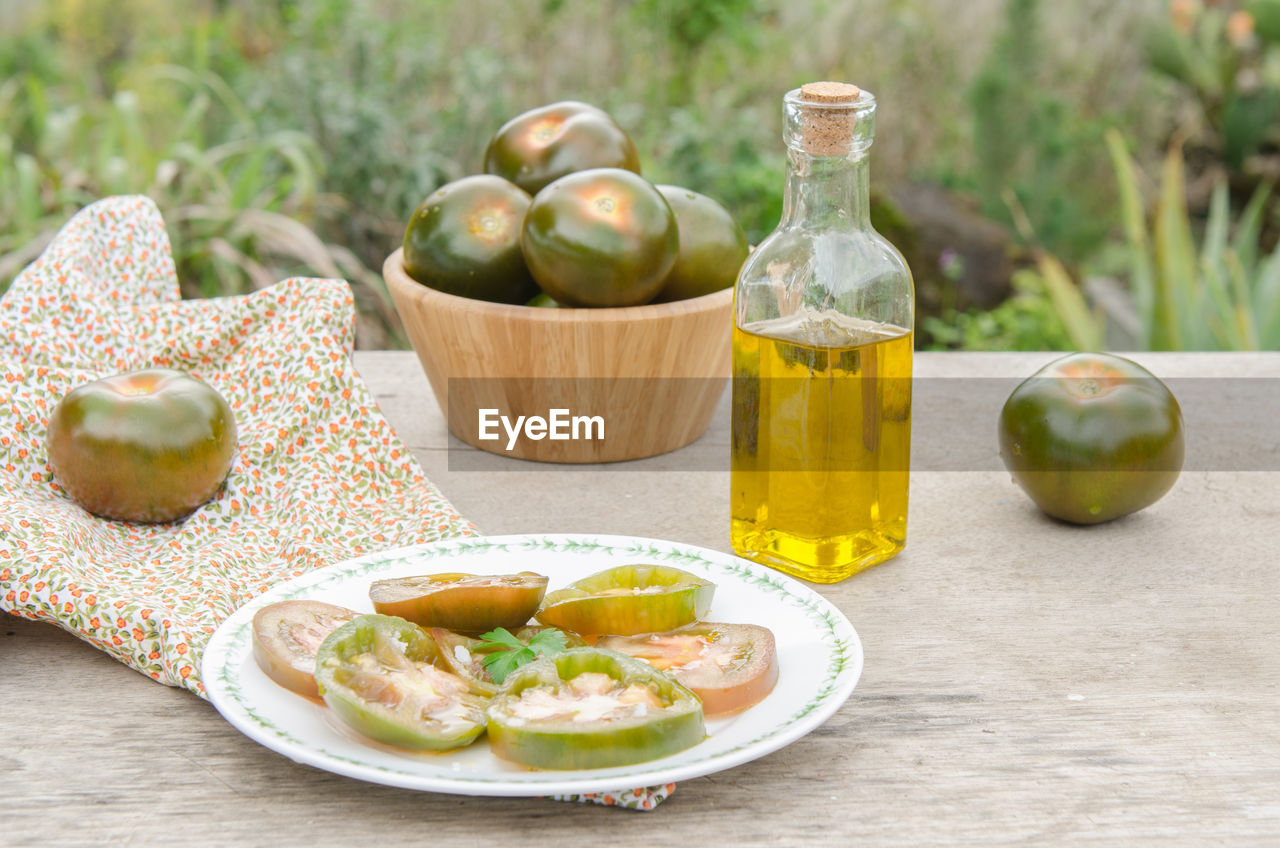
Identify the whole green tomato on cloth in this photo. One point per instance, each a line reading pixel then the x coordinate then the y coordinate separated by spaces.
pixel 148 446
pixel 1091 437
pixel 538 147
pixel 464 239
pixel 604 237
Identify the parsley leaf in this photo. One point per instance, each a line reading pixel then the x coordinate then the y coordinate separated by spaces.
pixel 548 642
pixel 507 653
pixel 501 663
pixel 502 637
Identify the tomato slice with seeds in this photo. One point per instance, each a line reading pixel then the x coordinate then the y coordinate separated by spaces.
pixel 286 637
pixel 379 674
pixel 627 600
pixel 587 708
pixel 464 656
pixel 729 666
pixel 464 603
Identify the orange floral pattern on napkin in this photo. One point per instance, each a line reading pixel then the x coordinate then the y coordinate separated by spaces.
pixel 319 476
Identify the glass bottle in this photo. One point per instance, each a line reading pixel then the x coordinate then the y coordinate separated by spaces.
pixel 822 345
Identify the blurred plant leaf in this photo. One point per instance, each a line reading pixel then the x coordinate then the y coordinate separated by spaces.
pixel 1248 119
pixel 1175 259
pixel 1085 329
pixel 1134 218
pixel 1249 228
pixel 1170 52
pixel 1217 295
pixel 1266 19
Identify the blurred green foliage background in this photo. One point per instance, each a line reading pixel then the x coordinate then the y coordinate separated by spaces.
pixel 1058 174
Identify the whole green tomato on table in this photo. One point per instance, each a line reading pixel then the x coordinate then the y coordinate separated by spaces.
pixel 147 446
pixel 538 147
pixel 1091 437
pixel 604 237
pixel 464 239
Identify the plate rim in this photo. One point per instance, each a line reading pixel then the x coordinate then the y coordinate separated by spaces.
pixel 229 647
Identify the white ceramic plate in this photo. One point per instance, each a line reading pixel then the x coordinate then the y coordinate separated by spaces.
pixel 819 659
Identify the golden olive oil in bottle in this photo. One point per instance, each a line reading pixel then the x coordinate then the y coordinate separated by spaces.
pixel 822 352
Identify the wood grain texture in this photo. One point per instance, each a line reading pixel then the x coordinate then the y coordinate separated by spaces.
pixel 653 373
pixel 1026 682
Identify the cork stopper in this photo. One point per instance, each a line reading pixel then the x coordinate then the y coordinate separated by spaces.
pixel 825 127
pixel 830 92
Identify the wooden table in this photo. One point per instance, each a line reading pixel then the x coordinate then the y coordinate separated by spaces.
pixel 1026 682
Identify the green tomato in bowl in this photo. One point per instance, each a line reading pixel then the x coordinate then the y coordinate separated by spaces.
pixel 465 656
pixel 604 237
pixel 540 146
pixel 712 246
pixel 464 240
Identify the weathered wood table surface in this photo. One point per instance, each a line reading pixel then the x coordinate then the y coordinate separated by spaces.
pixel 1026 682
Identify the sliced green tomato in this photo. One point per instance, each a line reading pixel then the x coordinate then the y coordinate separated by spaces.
pixel 627 600
pixel 464 656
pixel 286 636
pixel 587 708
pixel 463 603
pixel 729 666
pixel 378 674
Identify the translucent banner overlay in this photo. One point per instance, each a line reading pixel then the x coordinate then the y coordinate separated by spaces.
pixel 842 424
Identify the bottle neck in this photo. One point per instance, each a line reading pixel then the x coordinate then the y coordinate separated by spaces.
pixel 828 192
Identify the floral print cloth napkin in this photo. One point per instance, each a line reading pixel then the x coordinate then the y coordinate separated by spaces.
pixel 319 477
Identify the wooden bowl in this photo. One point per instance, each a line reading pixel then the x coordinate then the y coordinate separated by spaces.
pixel 652 374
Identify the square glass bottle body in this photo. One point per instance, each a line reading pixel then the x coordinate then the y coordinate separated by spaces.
pixel 822 355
